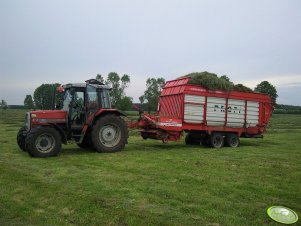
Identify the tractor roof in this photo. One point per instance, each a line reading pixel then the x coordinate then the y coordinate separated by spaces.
pixel 93 82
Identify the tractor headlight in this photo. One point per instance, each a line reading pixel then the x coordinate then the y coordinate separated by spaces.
pixel 27 121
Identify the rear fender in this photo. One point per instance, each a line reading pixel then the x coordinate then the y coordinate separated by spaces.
pixel 103 112
pixel 95 116
pixel 110 111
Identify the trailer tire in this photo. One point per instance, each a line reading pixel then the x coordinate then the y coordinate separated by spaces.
pixel 21 138
pixel 216 140
pixel 109 134
pixel 232 140
pixel 191 140
pixel 43 142
pixel 206 141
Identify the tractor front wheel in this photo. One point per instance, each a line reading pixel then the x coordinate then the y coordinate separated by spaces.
pixel 109 134
pixel 43 142
pixel 21 138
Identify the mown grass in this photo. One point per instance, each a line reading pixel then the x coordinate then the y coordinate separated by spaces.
pixel 151 183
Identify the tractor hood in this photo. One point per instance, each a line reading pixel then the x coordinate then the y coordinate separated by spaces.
pixel 48 116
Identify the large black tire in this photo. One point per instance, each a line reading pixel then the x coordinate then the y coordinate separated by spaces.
pixel 206 141
pixel 87 142
pixel 192 139
pixel 232 140
pixel 216 140
pixel 109 134
pixel 21 138
pixel 43 142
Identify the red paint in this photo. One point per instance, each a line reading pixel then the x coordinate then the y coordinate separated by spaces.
pixel 45 117
pixel 60 89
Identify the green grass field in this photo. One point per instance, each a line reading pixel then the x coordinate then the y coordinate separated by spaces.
pixel 151 183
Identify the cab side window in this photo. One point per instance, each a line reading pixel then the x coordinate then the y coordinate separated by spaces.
pixel 105 99
pixel 79 99
pixel 92 99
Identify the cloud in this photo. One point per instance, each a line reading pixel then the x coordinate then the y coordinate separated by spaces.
pixel 147 39
pixel 278 81
pixel 289 95
pixel 288 87
pixel 136 88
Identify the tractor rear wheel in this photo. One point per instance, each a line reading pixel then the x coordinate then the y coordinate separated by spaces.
pixel 87 142
pixel 21 138
pixel 109 134
pixel 216 140
pixel 232 140
pixel 43 142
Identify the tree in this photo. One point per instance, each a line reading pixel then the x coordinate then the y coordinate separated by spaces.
pixel 151 94
pixel 28 102
pixel 267 88
pixel 225 77
pixel 100 78
pixel 43 96
pixel 126 103
pixel 141 99
pixel 3 104
pixel 119 84
pixel 114 81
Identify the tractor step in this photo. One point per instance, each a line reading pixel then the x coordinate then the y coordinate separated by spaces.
pixel 76 137
pixel 77 127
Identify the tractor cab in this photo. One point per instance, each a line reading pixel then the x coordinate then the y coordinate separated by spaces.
pixel 82 100
pixel 86 117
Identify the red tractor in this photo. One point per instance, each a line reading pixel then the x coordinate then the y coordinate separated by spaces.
pixel 86 117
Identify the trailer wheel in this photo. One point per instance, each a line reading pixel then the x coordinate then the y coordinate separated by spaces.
pixel 43 142
pixel 21 138
pixel 216 140
pixel 206 141
pixel 232 140
pixel 109 134
pixel 191 140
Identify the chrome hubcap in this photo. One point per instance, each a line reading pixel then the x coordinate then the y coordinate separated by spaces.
pixel 109 135
pixel 45 143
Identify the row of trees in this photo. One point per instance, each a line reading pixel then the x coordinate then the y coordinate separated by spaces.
pixel 3 104
pixel 287 109
pixel 149 100
pixel 151 95
pixel 119 84
pixel 267 88
pixel 120 101
pixel 43 95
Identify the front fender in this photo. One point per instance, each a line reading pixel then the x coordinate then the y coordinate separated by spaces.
pixel 61 131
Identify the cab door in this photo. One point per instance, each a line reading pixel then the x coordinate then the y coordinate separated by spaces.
pixel 77 110
pixel 92 103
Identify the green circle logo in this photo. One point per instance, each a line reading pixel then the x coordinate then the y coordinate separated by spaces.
pixel 282 214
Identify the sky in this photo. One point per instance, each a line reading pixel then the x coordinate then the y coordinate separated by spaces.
pixel 49 41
